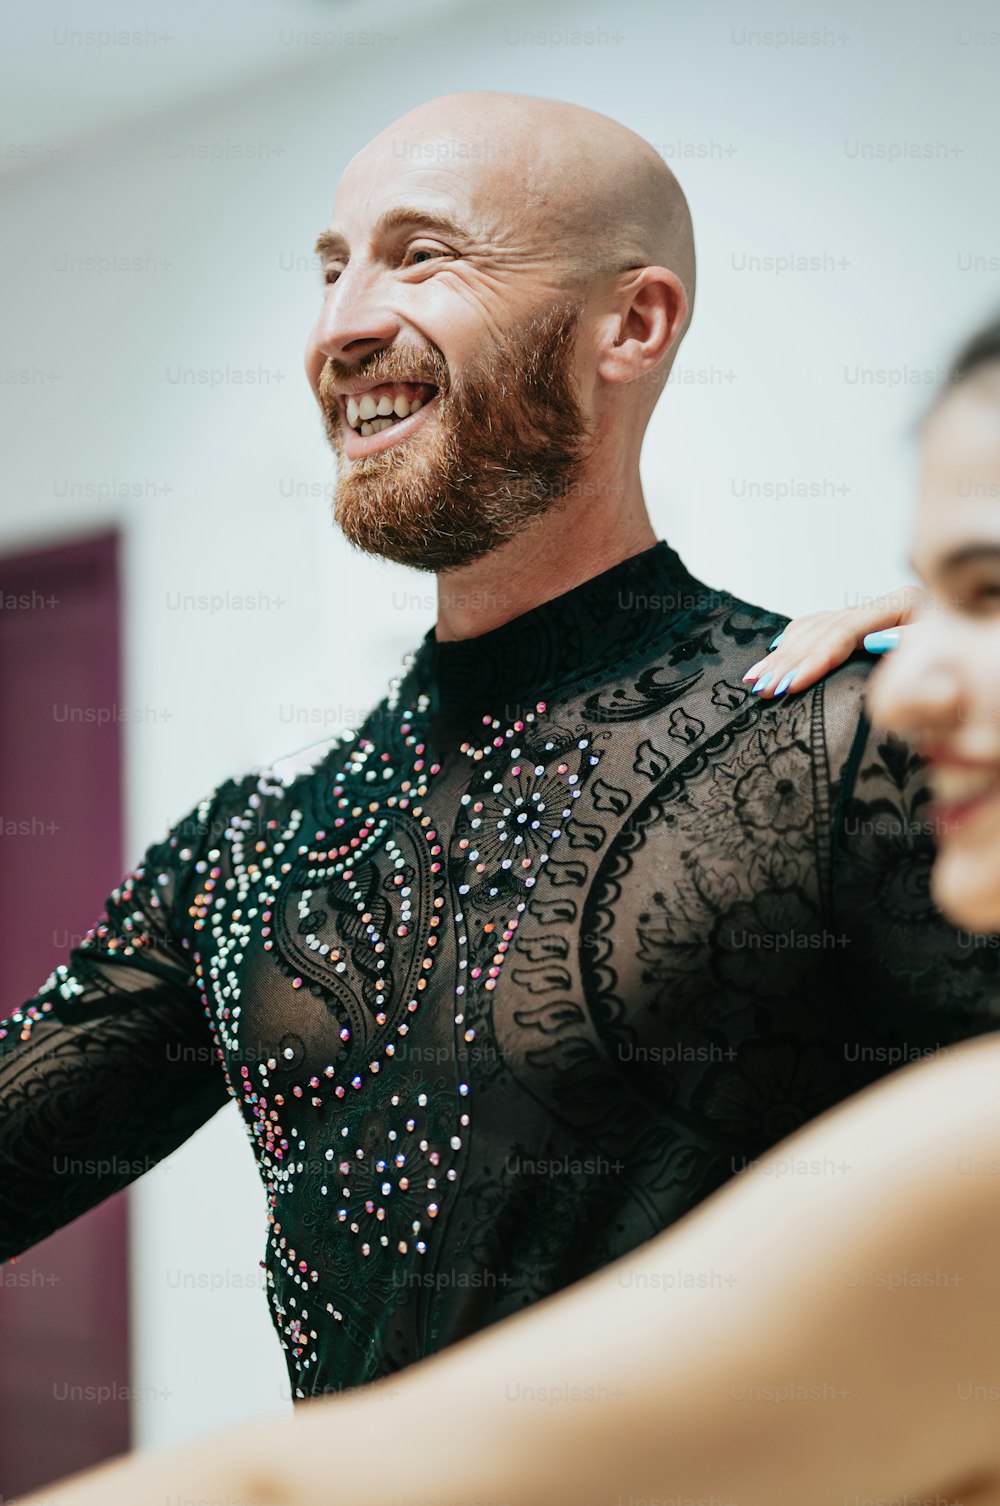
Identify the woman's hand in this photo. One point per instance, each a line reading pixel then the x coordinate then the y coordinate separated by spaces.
pixel 810 646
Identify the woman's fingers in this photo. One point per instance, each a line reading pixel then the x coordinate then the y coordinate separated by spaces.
pixel 792 663
pixel 882 642
pixel 799 662
pixel 809 647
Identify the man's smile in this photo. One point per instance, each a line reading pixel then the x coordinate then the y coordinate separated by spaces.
pixel 371 411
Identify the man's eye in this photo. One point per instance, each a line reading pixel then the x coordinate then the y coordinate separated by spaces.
pixel 429 251
pixel 413 256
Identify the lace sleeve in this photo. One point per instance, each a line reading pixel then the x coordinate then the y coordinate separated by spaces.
pixel 928 983
pixel 113 1063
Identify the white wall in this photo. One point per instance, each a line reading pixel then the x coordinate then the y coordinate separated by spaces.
pixel 764 131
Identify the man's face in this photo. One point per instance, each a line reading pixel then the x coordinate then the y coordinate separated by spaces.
pixel 445 357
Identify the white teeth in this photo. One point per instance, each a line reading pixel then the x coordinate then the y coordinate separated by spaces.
pixel 366 416
pixel 955 785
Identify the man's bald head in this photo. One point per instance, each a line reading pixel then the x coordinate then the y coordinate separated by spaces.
pixel 507 283
pixel 596 196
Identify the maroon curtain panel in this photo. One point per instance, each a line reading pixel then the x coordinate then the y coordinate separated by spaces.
pixel 64 1378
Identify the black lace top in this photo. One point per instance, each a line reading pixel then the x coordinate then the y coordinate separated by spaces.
pixel 569 931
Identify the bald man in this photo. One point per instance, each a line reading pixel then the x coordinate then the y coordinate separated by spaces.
pixel 528 300
pixel 574 926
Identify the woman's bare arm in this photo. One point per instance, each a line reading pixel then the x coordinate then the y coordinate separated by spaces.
pixel 814 1332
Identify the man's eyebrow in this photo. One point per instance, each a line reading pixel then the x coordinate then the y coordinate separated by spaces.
pixel 330 242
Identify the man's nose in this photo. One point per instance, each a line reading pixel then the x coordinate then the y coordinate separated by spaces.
pixel 918 687
pixel 353 322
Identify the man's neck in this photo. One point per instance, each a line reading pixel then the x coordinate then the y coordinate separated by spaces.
pixel 561 551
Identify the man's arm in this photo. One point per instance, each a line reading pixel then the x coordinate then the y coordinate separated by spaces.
pixel 819 1374
pixel 113 1063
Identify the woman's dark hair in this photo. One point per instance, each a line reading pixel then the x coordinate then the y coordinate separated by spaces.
pixel 981 350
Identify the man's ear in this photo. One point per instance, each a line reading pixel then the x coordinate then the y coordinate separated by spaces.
pixel 651 313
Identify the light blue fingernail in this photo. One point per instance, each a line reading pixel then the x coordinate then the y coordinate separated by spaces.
pixel 881 643
pixel 784 683
pixel 775 641
pixel 762 684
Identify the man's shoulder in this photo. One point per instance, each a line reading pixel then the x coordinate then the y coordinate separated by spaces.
pixel 285 779
pixel 867 764
pixel 746 615
pixel 843 692
pixel 690 621
pixel 264 790
pixel 846 722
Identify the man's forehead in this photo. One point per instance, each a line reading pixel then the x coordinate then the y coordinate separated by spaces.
pixel 447 176
pixel 465 153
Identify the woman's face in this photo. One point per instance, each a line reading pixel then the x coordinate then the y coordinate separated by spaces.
pixel 941 687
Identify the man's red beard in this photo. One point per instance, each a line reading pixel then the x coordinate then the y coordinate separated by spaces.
pixel 504 445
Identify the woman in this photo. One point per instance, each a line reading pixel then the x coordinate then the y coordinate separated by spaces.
pixel 790 1341
pixel 940 687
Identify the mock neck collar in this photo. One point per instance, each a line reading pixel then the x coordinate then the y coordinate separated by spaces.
pixel 585 632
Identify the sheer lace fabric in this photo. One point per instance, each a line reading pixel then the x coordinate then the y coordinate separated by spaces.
pixel 571 930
